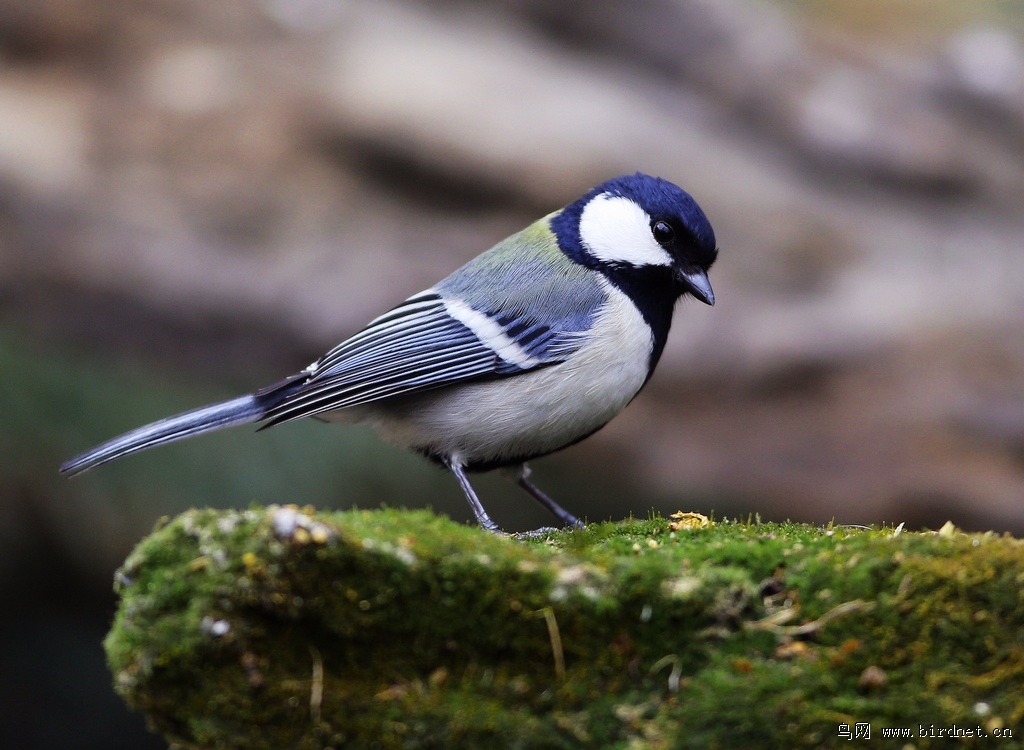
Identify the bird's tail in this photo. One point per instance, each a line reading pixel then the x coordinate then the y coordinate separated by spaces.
pixel 236 411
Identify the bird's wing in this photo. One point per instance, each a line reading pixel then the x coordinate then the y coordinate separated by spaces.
pixel 426 342
pixel 532 312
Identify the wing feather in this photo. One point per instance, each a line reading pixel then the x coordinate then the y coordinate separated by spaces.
pixel 417 346
pixel 460 330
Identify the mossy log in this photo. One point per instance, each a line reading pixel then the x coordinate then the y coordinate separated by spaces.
pixel 286 628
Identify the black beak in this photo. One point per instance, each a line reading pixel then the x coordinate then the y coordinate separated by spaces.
pixel 697 284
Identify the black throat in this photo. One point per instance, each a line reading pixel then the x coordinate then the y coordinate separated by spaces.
pixel 654 291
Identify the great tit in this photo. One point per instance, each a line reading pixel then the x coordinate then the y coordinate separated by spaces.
pixel 527 349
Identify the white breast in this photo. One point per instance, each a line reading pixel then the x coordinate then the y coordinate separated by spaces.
pixel 530 414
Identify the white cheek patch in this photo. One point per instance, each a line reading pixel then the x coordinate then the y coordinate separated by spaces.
pixel 616 230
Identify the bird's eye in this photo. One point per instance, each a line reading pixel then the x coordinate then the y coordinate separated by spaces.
pixel 663 232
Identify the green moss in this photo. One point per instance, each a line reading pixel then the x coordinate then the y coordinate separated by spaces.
pixel 276 627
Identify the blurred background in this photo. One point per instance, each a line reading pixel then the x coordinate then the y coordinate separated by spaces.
pixel 198 198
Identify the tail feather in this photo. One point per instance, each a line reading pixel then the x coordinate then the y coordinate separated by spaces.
pixel 237 411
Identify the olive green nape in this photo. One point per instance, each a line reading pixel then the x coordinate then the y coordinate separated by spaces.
pixel 282 627
pixel 528 275
pixel 535 242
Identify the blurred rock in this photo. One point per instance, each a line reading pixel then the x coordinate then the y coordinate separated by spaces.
pixel 43 133
pixel 860 122
pixel 741 54
pixel 987 64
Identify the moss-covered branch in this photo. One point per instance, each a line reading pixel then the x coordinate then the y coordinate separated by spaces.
pixel 279 628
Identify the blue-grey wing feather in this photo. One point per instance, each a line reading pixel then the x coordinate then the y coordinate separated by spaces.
pixel 539 298
pixel 414 347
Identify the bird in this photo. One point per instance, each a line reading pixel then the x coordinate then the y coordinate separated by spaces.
pixel 527 349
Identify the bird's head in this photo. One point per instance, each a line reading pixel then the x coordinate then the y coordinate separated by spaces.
pixel 641 225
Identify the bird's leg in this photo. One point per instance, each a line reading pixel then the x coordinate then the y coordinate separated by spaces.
pixel 521 476
pixel 474 502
